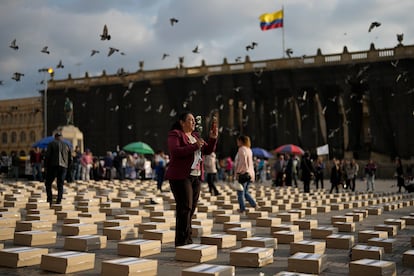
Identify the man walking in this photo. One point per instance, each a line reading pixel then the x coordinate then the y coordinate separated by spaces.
pixel 58 159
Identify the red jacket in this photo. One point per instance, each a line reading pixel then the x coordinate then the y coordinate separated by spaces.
pixel 182 154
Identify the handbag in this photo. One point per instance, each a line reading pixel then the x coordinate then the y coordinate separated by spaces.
pixel 236 186
pixel 244 177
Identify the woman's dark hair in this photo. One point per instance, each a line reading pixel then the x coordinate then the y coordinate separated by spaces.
pixel 245 140
pixel 181 117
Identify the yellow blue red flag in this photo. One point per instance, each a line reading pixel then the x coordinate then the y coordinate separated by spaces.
pixel 270 21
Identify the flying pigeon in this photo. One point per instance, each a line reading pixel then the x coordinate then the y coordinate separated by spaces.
pixel 289 52
pixel 164 56
pixel 17 76
pixel 251 46
pixel 373 25
pixel 400 38
pixel 195 50
pixel 1 82
pixel 60 64
pixel 112 50
pixel 13 45
pixel 93 52
pixel 44 50
pixel 105 35
pixel 173 21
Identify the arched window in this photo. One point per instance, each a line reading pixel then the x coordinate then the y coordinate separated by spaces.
pixel 13 138
pixel 32 136
pixel 22 137
pixel 4 138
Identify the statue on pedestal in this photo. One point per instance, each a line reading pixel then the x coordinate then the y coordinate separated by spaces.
pixel 68 111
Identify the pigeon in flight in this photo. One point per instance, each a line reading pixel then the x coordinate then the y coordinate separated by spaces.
pixel 400 38
pixel 17 76
pixel 93 52
pixel 105 35
pixel 45 50
pixel 251 46
pixel 173 21
pixel 195 50
pixel 13 45
pixel 165 55
pixel 373 25
pixel 289 52
pixel 60 64
pixel 112 50
pixel 1 82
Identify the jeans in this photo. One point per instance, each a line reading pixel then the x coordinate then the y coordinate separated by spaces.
pixel 370 182
pixel 59 173
pixel 241 195
pixel 37 171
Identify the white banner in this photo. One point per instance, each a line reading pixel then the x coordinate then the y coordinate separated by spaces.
pixel 323 150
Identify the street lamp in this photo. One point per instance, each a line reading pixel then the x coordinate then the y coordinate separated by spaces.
pixel 50 71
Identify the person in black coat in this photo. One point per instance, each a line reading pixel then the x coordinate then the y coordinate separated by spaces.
pixel 399 172
pixel 307 170
pixel 336 175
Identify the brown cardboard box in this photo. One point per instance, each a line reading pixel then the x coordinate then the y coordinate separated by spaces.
pixel 35 237
pixel 51 218
pixel 7 222
pixel 7 233
pixel 77 229
pixel 134 219
pixel 286 237
pixel 387 244
pixel 67 261
pixel 240 232
pixel 29 225
pixel 356 217
pixel 284 227
pixel 307 263
pixel 198 231
pixel 304 246
pixel 365 267
pixel 409 220
pixel 209 270
pixel 139 248
pixel 129 266
pixel 94 216
pixel 197 253
pixel 251 256
pixel 257 214
pixel 21 256
pixel 259 242
pixel 233 224
pixel 306 224
pixel 61 215
pixel 268 222
pixel 226 218
pixel 341 219
pixel 345 226
pixel 117 222
pixel 138 211
pixel 408 258
pixel 391 229
pixel 165 236
pixel 366 252
pixel 152 226
pixel 162 213
pixel 364 212
pixel 323 209
pixel 220 240
pixel 288 217
pixel 339 241
pixel 120 232
pixel 322 232
pixel 202 222
pixel 365 235
pixel 85 242
pixel 375 211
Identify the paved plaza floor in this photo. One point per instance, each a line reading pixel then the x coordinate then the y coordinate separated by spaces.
pixel 393 205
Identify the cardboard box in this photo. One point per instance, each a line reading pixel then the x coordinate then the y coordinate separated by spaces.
pixel 226 218
pixel 220 240
pixel 153 226
pixel 77 229
pixel 304 246
pixel 286 237
pixel 198 231
pixel 408 258
pixel 21 256
pixel 287 273
pixel 129 266
pixel 391 229
pixel 306 224
pixel 288 217
pixel 356 217
pixel 7 233
pixel 375 211
pixel 165 236
pixel 251 256
pixel 51 218
pixel 364 212
pixel 94 216
pixel 240 232
pixel 387 244
pixel 268 222
pixel 209 270
pixel 345 226
pixel 366 252
pixel 202 222
pixel 30 225
pixel 85 242
pixel 35 237
pixel 120 232
pixel 365 267
pixel 322 232
pixel 139 248
pixel 339 241
pixel 67 261
pixel 307 263
pixel 365 235
pixel 61 215
pixel 257 214
pixel 233 224
pixel 133 219
pixel 341 219
pixel 284 227
pixel 259 242
pixel 7 222
pixel 117 222
pixel 197 253
pixel 137 211
pixel 323 209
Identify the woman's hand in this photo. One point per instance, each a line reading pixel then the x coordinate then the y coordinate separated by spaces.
pixel 200 142
pixel 214 132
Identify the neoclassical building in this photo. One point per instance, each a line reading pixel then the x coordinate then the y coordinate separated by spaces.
pixel 21 124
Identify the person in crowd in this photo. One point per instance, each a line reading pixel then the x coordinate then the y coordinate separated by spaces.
pixel 295 170
pixel 399 173
pixel 336 175
pixel 229 169
pixel 307 171
pixel 15 163
pixel 159 166
pixel 210 168
pixel 97 169
pixel 186 149
pixel 108 165
pixel 279 169
pixel 351 171
pixel 86 163
pixel 319 172
pixel 288 170
pixel 243 163
pixel 76 164
pixel 370 171
pixel 36 160
pixel 261 169
pixel 57 160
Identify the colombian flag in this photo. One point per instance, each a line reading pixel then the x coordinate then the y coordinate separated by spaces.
pixel 270 21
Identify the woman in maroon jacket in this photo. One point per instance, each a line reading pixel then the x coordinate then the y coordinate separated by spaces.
pixel 186 148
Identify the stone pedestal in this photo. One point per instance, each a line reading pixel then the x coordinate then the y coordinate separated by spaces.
pixel 72 134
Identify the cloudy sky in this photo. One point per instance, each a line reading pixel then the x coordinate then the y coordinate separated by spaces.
pixel 141 30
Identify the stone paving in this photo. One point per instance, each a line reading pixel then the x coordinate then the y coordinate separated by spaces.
pixel 392 204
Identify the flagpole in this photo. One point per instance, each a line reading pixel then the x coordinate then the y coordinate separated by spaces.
pixel 283 33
